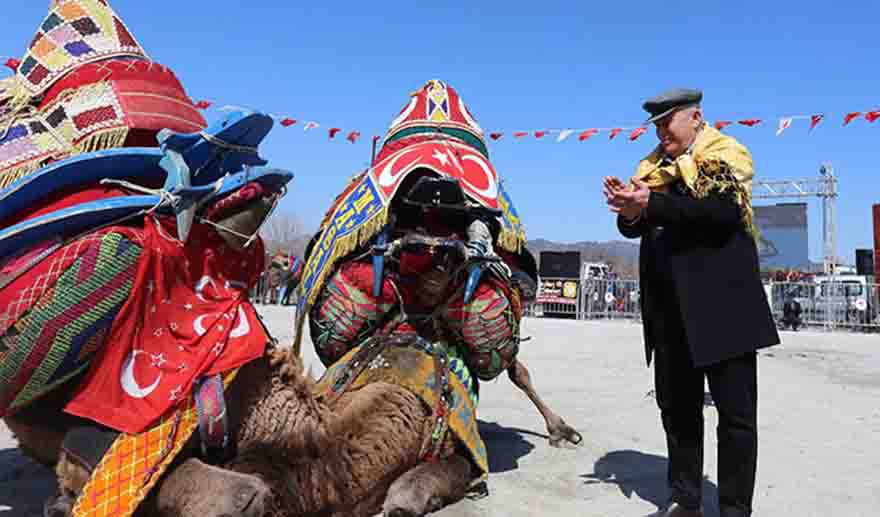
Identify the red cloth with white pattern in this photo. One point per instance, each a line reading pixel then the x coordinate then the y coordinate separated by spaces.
pixel 188 316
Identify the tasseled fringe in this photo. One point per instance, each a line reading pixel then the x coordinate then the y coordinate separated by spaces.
pixel 511 241
pixel 10 176
pixel 716 177
pixel 101 140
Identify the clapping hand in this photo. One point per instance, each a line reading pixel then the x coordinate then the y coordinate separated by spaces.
pixel 626 200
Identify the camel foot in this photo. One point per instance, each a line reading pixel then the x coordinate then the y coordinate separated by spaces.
pixel 428 487
pixel 560 431
pixel 198 489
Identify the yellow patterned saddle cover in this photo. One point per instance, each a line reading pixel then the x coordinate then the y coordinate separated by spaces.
pixel 413 368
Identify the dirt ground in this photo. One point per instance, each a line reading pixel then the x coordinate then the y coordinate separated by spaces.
pixel 819 438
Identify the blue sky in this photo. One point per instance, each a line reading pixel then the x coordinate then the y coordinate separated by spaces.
pixel 530 65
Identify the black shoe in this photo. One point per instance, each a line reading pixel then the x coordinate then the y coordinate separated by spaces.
pixel 677 510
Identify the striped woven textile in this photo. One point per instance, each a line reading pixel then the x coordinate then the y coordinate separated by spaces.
pixel 60 333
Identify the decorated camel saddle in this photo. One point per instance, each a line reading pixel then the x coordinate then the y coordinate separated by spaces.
pixel 128 245
pixel 424 244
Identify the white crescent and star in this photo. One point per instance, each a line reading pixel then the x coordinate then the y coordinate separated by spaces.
pixel 491 190
pixel 129 383
pixel 386 177
pixel 203 282
pixel 244 327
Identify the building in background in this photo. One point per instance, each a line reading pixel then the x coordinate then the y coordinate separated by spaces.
pixel 784 237
pixel 877 239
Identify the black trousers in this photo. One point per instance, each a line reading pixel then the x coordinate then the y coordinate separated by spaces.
pixel 733 385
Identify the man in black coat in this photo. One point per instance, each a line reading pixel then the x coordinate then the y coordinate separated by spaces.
pixel 704 309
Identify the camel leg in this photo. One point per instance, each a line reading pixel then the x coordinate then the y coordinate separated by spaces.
pixel 42 443
pixel 428 487
pixel 556 426
pixel 200 490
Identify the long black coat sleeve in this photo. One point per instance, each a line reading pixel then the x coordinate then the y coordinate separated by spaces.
pixel 631 230
pixel 713 210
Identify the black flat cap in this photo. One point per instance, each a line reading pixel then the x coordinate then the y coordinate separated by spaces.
pixel 670 101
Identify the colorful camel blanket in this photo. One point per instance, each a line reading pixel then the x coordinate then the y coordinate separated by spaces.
pixel 134 463
pixel 56 317
pixel 188 316
pixel 413 368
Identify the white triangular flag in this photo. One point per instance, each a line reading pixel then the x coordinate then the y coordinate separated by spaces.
pixel 310 125
pixel 783 125
pixel 565 133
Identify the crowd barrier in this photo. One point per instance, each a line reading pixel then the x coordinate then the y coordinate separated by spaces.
pixel 841 304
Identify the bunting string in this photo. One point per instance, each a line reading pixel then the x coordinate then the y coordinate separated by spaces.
pixel 633 132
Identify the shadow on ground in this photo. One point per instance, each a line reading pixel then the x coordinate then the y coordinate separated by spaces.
pixel 644 475
pixel 506 445
pixel 24 485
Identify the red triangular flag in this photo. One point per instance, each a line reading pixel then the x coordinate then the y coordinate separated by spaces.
pixel 539 134
pixel 12 64
pixel 871 116
pixel 751 122
pixel 587 134
pixel 614 132
pixel 333 131
pixel 203 105
pixel 851 116
pixel 721 124
pixel 353 136
pixel 520 134
pixel 496 136
pixel 814 120
pixel 636 133
pixel 287 122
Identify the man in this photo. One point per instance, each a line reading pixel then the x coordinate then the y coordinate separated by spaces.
pixel 704 309
pixel 791 313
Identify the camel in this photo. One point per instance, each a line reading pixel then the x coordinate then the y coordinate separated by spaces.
pixel 295 452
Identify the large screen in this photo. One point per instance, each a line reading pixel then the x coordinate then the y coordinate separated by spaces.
pixel 784 239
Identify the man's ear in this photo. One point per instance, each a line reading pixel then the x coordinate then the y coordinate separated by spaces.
pixel 697 116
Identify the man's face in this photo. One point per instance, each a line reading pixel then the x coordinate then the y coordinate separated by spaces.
pixel 677 131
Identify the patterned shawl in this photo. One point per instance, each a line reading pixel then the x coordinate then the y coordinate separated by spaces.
pixel 715 163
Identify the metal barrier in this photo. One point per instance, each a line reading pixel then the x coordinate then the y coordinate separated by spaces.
pixel 838 304
pixel 610 299
pixel 841 303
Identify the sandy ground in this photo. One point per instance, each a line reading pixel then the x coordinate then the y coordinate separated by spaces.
pixel 819 435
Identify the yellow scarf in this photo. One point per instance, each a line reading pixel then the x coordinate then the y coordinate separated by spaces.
pixel 715 163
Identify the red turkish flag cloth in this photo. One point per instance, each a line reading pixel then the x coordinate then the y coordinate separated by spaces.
pixel 539 134
pixel 12 64
pixel 851 116
pixel 333 131
pixel 520 134
pixel 587 134
pixel 287 122
pixel 614 132
pixel 751 122
pixel 814 120
pixel 871 116
pixel 495 136
pixel 353 136
pixel 203 105
pixel 721 124
pixel 188 316
pixel 637 132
